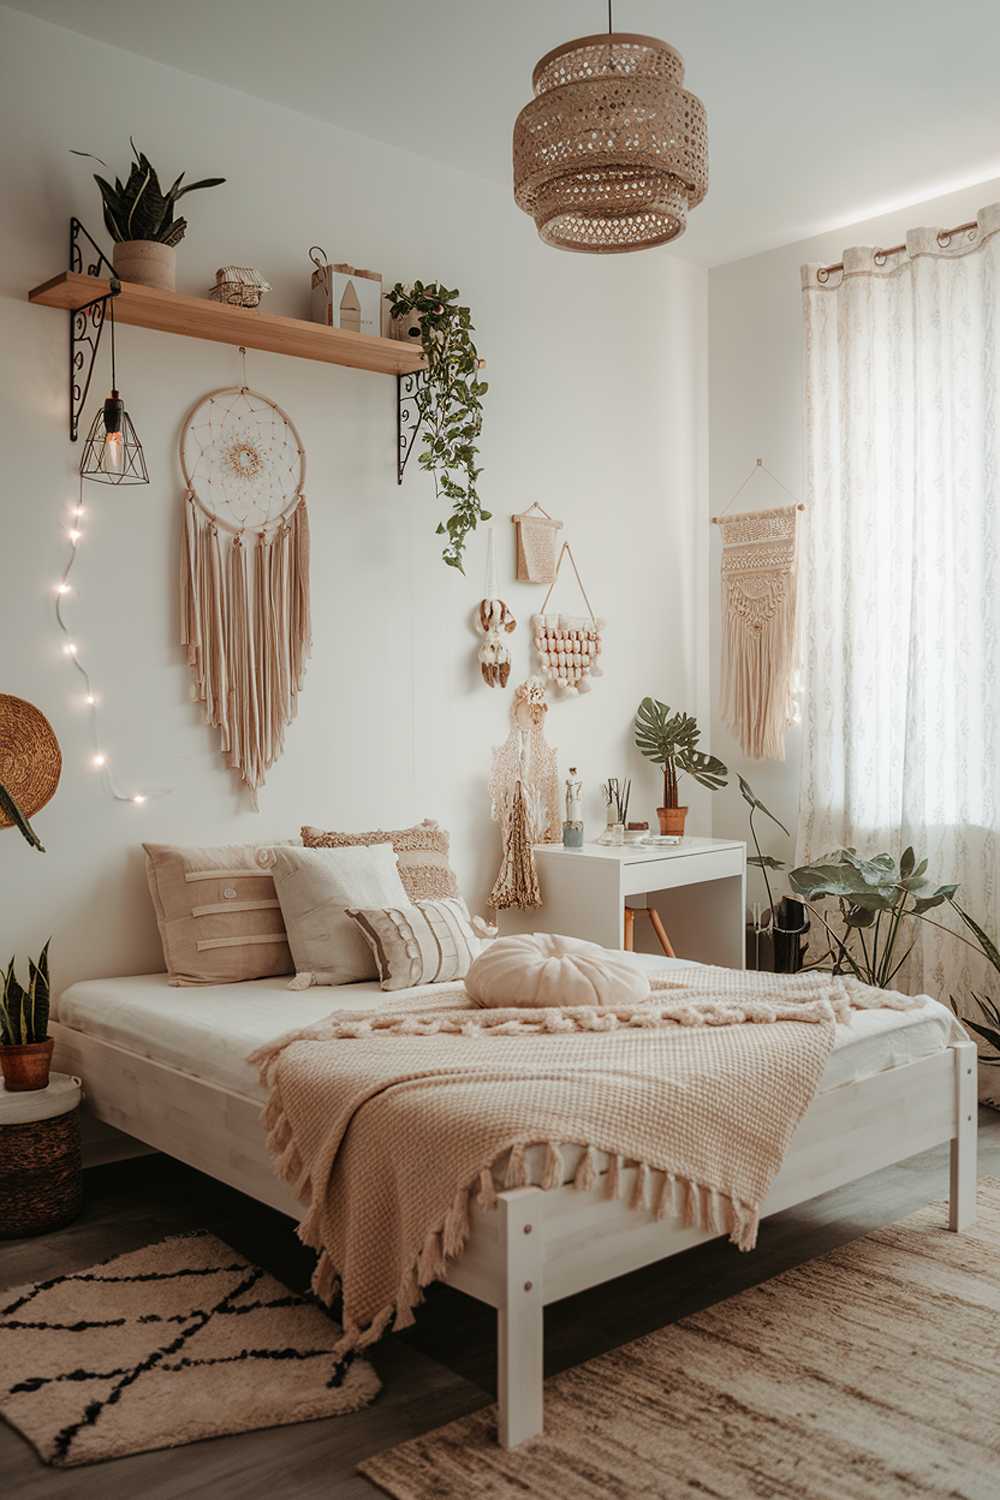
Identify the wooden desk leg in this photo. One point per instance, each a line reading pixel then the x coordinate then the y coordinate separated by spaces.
pixel 629 930
pixel 661 932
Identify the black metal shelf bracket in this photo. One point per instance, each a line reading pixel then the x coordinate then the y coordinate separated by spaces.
pixel 85 323
pixel 409 417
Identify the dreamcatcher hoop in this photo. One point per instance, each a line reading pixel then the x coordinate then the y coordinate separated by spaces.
pixel 244 577
pixel 235 436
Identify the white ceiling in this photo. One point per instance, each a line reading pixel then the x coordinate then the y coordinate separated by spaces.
pixel 820 114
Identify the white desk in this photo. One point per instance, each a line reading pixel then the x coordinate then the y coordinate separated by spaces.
pixel 698 887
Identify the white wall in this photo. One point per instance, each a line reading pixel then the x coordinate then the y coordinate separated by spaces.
pixel 755 405
pixel 597 408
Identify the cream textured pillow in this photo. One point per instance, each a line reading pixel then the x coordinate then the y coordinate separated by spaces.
pixel 430 942
pixel 542 968
pixel 218 916
pixel 315 886
pixel 422 851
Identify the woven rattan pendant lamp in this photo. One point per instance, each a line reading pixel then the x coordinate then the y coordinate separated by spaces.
pixel 612 151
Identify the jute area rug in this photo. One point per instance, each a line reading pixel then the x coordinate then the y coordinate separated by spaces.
pixel 177 1341
pixel 872 1373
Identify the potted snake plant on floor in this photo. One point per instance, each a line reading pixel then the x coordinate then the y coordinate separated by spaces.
pixel 25 1044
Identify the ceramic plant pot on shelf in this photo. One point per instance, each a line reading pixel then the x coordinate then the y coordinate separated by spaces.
pixel 146 262
pixel 672 820
pixel 26 1067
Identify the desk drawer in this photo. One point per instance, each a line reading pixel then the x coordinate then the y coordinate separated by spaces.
pixel 680 869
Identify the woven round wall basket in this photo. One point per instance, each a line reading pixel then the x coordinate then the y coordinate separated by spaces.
pixel 30 758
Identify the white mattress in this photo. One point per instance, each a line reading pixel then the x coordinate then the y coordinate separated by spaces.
pixel 208 1031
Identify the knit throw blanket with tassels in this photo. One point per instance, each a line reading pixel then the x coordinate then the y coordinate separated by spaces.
pixel 388 1124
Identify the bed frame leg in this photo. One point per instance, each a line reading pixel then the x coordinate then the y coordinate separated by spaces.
pixel 520 1318
pixel 962 1193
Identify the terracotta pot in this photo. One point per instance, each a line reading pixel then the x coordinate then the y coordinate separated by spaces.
pixel 147 262
pixel 672 819
pixel 27 1066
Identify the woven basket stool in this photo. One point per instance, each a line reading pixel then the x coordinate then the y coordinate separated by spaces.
pixel 41 1178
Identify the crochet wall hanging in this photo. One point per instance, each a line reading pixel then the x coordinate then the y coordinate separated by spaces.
pixel 759 581
pixel 245 572
pixel 569 647
pixel 494 619
pixel 524 798
pixel 536 535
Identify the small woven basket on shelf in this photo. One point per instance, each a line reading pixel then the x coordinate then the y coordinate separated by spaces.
pixel 41 1176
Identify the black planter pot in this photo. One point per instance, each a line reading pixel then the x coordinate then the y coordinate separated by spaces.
pixel 781 949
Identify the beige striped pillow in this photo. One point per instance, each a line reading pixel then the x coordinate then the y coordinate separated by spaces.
pixel 430 942
pixel 218 914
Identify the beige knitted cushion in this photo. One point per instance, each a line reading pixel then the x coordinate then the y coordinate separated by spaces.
pixel 545 969
pixel 422 852
pixel 217 912
pixel 315 887
pixel 431 942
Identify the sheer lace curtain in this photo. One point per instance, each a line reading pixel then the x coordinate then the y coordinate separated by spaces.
pixel 901 569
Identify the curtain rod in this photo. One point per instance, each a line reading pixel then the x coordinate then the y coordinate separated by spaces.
pixel 944 239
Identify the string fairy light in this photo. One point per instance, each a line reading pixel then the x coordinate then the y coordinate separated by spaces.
pixel 100 760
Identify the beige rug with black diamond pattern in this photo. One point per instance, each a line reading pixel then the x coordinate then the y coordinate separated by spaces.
pixel 871 1373
pixel 177 1341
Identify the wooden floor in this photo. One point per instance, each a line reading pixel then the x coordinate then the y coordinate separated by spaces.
pixel 442 1368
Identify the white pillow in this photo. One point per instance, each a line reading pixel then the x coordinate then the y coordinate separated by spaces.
pixel 545 969
pixel 315 887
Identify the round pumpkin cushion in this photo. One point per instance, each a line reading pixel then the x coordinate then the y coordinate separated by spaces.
pixel 544 969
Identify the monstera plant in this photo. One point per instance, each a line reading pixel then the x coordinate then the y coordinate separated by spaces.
pixel 670 740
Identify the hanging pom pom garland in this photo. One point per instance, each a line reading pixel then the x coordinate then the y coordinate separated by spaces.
pixel 244 577
pixel 569 647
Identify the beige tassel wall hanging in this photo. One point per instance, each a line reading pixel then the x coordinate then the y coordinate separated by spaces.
pixel 759 635
pixel 524 798
pixel 569 647
pixel 537 541
pixel 244 578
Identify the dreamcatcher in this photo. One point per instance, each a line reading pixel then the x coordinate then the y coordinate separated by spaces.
pixel 245 572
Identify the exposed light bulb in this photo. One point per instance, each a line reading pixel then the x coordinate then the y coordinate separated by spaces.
pixel 62 588
pixel 113 453
pixel 74 535
pixel 100 759
pixel 70 648
pixel 138 799
pixel 90 698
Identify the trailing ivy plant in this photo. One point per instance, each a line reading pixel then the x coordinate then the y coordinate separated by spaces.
pixel 449 405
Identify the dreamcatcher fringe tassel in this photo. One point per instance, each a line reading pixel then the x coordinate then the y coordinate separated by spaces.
pixel 246 624
pixel 516 884
pixel 759 629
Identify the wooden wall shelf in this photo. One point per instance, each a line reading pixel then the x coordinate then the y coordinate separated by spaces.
pixel 201 318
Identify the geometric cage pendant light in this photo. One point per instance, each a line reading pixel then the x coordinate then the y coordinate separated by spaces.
pixel 612 151
pixel 113 453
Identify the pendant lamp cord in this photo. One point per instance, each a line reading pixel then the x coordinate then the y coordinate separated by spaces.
pixel 111 314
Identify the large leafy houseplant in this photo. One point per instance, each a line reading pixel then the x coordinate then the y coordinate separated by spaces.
pixel 25 1045
pixel 449 405
pixel 670 740
pixel 139 209
pixel 989 1028
pixel 877 902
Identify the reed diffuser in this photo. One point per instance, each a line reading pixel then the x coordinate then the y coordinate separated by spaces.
pixel 616 796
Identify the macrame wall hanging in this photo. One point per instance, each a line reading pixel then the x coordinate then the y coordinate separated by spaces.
pixel 524 798
pixel 245 572
pixel 569 647
pixel 537 539
pixel 759 578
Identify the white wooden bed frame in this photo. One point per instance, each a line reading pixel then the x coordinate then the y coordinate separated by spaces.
pixel 541 1246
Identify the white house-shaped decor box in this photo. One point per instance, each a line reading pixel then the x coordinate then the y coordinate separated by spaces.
pixel 346 297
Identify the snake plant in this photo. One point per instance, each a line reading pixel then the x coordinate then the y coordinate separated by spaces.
pixel 141 210
pixel 24 1013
